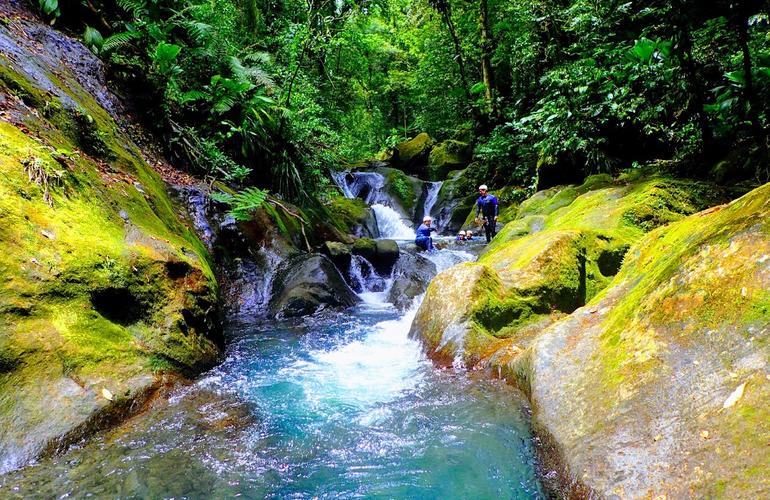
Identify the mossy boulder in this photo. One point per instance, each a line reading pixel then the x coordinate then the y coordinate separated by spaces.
pixel 447 156
pixel 404 190
pixel 382 254
pixel 307 284
pixel 563 248
pixel 366 248
pixel 445 321
pixel 455 201
pixel 354 216
pixel 338 253
pixel 412 155
pixel 103 288
pixel 387 255
pixel 667 367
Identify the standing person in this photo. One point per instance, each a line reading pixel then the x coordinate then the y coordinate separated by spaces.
pixel 486 210
pixel 423 238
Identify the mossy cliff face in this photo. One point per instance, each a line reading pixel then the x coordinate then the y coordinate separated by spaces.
pixel 661 384
pixel 102 287
pixel 562 249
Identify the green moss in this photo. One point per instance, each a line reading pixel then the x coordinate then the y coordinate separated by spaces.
pixel 445 157
pixel 417 146
pixel 85 294
pixel 402 188
pixel 363 246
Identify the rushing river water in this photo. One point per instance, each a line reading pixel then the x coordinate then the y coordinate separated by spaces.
pixel 342 406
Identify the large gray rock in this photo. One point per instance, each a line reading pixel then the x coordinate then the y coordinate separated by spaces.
pixel 411 276
pixel 387 256
pixel 339 253
pixel 307 284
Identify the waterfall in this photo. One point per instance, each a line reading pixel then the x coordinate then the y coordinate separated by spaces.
pixel 341 179
pixel 431 195
pixel 369 186
pixel 390 223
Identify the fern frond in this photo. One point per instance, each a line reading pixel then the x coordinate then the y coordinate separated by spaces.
pixel 198 31
pixel 244 203
pixel 119 40
pixel 259 58
pixel 192 95
pixel 250 74
pixel 137 8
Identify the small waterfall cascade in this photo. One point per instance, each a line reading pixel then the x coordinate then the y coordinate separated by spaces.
pixel 369 186
pixel 363 277
pixel 431 195
pixel 390 223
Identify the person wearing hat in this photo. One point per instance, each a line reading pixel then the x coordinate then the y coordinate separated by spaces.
pixel 423 239
pixel 486 212
pixel 460 236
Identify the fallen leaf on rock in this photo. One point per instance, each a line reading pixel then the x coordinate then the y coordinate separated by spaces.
pixel 735 396
pixel 107 394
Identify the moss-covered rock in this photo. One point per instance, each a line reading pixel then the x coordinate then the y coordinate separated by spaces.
pixel 447 156
pixel 355 217
pixel 667 368
pixel 102 286
pixel 366 248
pixel 455 201
pixel 446 321
pixel 402 188
pixel 564 247
pixel 412 156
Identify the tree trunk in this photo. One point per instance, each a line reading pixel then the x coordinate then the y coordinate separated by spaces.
pixel 749 96
pixel 447 13
pixel 687 61
pixel 487 49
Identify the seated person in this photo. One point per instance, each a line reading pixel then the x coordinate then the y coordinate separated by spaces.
pixel 468 235
pixel 423 239
pixel 461 236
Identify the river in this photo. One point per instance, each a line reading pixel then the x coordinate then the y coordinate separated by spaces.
pixel 337 406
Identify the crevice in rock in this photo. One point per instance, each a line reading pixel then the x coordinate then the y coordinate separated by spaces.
pixel 118 305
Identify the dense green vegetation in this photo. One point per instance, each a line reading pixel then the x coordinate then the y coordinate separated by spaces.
pixel 274 93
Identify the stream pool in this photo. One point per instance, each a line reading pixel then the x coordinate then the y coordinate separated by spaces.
pixel 340 406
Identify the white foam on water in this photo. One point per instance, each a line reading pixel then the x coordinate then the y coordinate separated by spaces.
pixel 362 373
pixel 444 259
pixel 390 223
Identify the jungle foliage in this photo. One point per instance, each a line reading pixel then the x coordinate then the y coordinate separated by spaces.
pixel 274 93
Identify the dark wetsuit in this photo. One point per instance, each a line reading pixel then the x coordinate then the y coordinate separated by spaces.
pixel 423 239
pixel 487 207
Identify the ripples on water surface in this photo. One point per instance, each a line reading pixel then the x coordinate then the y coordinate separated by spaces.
pixel 341 407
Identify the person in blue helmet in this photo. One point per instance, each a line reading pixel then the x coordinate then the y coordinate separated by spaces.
pixel 486 212
pixel 423 238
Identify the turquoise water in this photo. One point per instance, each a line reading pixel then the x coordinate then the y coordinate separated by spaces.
pixel 344 406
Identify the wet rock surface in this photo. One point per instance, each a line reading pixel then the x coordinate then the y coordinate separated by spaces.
pixel 411 276
pixel 670 362
pixel 638 350
pixel 103 284
pixel 307 284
